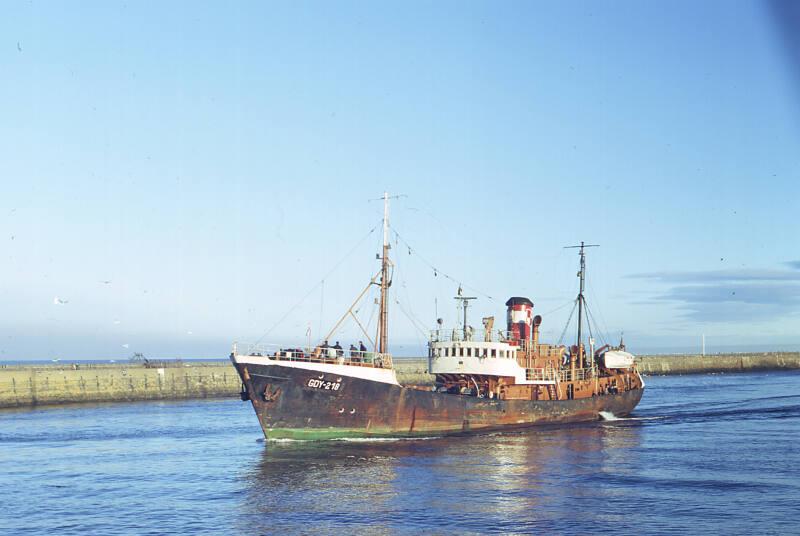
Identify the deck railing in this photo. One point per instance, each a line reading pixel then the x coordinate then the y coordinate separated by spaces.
pixel 554 375
pixel 458 335
pixel 544 350
pixel 318 354
pixel 476 335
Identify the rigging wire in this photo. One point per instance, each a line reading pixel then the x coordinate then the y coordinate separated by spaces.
pixel 320 283
pixel 551 311
pixel 436 271
pixel 321 304
pixel 590 316
pixel 604 324
pixel 418 323
pixel 371 315
pixel 566 326
pixel 588 323
pixel 411 319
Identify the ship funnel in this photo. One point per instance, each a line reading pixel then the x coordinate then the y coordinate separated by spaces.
pixel 520 318
pixel 537 321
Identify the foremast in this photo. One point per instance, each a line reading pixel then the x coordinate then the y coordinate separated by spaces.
pixel 383 322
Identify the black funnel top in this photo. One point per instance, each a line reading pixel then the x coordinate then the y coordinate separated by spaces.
pixel 518 301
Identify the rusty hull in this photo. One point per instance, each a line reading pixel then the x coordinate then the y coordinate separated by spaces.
pixel 287 407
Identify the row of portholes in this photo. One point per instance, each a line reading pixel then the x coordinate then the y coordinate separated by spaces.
pixel 471 352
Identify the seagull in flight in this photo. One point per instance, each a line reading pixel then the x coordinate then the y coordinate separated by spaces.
pixel 59 301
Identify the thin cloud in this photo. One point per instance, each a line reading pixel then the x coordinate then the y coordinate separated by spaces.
pixel 730 295
pixel 740 293
pixel 718 276
pixel 786 16
pixel 728 313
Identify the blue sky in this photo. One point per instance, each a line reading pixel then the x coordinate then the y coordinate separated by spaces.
pixel 183 174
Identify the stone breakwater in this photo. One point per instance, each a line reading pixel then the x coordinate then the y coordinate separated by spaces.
pixel 699 364
pixel 34 385
pixel 23 385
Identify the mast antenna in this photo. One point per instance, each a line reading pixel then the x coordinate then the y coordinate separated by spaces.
pixel 581 299
pixel 464 304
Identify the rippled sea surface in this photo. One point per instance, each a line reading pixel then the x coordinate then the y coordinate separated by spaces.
pixel 712 454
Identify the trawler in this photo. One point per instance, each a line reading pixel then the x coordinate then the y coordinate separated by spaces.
pixel 485 379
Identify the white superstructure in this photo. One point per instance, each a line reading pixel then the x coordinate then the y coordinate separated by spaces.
pixel 457 352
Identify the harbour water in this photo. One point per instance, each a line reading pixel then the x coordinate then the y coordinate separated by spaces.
pixel 702 454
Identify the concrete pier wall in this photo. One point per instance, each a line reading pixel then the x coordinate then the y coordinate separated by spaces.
pixel 34 385
pixel 40 385
pixel 26 385
pixel 698 364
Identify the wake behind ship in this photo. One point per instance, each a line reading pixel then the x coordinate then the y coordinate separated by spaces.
pixel 486 379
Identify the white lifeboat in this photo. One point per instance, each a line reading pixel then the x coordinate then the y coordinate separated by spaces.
pixel 618 359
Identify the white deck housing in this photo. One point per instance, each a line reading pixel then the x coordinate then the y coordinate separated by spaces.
pixel 478 358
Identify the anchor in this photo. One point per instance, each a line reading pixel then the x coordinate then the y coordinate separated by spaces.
pixel 271 395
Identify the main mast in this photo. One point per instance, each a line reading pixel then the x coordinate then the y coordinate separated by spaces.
pixel 581 302
pixel 582 274
pixel 383 342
